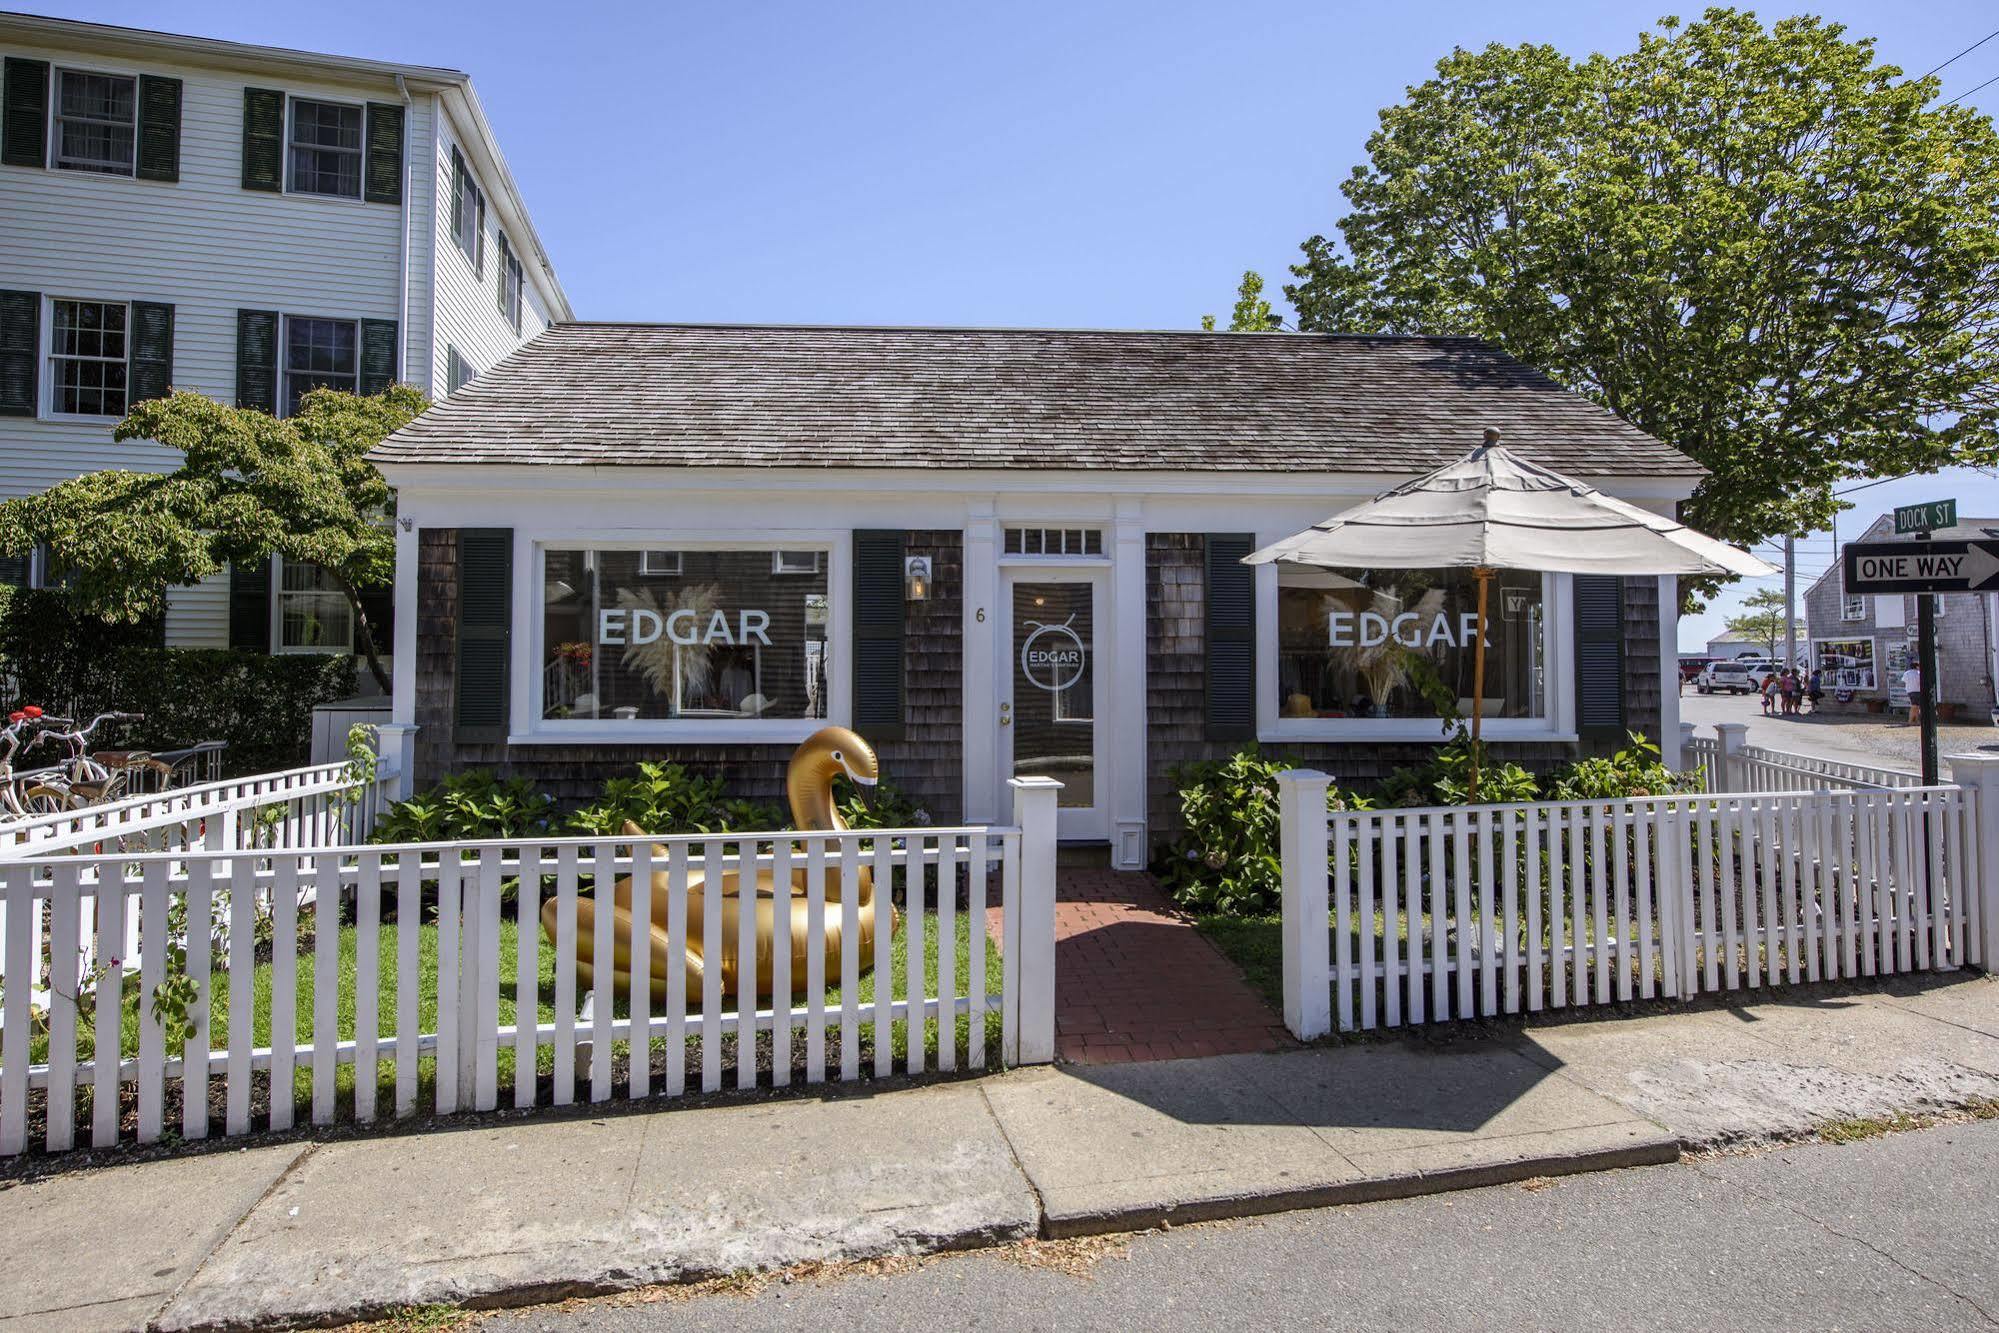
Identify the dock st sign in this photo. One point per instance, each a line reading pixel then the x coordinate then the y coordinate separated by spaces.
pixel 1892 567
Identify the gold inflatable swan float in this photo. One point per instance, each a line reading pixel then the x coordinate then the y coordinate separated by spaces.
pixel 825 755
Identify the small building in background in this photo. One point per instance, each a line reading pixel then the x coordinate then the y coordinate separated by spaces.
pixel 1864 643
pixel 1733 643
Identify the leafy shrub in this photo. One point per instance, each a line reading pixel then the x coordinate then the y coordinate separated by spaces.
pixel 1636 770
pixel 77 666
pixel 1445 778
pixel 475 805
pixel 670 798
pixel 1229 861
pixel 886 807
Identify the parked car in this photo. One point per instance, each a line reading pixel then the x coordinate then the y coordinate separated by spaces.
pixel 1691 667
pixel 1726 677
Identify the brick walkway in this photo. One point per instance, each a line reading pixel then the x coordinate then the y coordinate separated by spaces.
pixel 1135 981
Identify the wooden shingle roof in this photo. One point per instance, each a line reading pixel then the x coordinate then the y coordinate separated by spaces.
pixel 829 397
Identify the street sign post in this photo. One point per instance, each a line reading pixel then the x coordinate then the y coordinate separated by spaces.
pixel 1926 568
pixel 1925 517
pixel 1962 565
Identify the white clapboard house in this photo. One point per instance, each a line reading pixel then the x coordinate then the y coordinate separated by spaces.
pixel 248 222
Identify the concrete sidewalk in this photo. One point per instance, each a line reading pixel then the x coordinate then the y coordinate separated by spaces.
pixel 508 1210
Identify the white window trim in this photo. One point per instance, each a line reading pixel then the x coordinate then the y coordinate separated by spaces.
pixel 1005 557
pixel 1558 702
pixel 528 727
pixel 55 128
pixel 278 647
pixel 46 404
pixel 1852 607
pixel 284 354
pixel 360 195
pixel 648 570
pixel 778 567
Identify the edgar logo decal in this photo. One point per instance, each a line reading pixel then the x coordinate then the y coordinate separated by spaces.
pixel 1052 658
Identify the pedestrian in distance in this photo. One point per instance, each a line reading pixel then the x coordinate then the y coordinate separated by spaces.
pixel 1912 685
pixel 1769 693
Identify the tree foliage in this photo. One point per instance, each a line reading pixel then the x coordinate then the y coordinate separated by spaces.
pixel 1761 618
pixel 249 486
pixel 1758 244
pixel 1252 313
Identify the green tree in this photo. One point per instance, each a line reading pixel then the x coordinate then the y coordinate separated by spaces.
pixel 1758 244
pixel 1761 619
pixel 1252 313
pixel 249 486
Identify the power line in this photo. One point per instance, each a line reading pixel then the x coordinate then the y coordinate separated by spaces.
pixel 1969 91
pixel 1965 52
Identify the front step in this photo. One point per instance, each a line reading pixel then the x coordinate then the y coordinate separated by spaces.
pixel 1091 854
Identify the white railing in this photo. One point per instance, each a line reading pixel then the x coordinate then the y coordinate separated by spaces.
pixel 319 805
pixel 450 989
pixel 1761 769
pixel 1464 912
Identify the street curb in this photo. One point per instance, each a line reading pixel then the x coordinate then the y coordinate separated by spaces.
pixel 1656 1150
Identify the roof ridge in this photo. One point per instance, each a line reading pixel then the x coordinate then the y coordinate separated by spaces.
pixel 783 326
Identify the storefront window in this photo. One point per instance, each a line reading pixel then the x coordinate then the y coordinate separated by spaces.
pixel 1394 643
pixel 691 634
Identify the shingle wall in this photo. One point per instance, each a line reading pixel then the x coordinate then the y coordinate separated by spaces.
pixel 925 764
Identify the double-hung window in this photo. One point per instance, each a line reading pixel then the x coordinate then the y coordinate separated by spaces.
pixel 96 120
pixel 458 372
pixel 314 615
pixel 510 284
pixel 325 148
pixel 319 353
pixel 468 213
pixel 1852 606
pixel 87 358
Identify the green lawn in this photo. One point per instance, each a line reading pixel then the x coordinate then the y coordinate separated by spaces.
pixel 386 945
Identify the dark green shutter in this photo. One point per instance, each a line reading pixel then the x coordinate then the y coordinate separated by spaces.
pixel 878 633
pixel 150 364
pixel 1599 608
pixel 257 360
pixel 24 124
pixel 378 355
pixel 20 352
pixel 250 607
pixel 1231 638
pixel 263 139
pixel 159 128
pixel 485 609
pixel 383 183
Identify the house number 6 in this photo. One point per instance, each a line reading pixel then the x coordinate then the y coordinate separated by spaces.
pixel 982 615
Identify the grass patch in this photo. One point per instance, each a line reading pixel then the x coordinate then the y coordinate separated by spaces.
pixel 1256 945
pixel 513 1007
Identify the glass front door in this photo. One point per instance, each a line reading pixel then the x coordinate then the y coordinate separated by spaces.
pixel 1050 717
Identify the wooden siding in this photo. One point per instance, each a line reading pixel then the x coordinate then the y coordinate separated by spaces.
pixel 467 310
pixel 204 244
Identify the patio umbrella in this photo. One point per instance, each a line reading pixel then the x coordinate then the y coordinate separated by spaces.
pixel 1494 510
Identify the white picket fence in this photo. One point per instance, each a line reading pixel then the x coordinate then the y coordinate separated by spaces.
pixel 1732 764
pixel 436 944
pixel 1467 912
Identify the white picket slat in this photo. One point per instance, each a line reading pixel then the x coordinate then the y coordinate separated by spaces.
pixel 65 962
pixel 815 960
pixel 324 872
pixel 367 983
pixel 711 967
pixel 284 988
pixel 746 965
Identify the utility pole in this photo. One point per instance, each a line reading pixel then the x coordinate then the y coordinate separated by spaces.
pixel 1790 603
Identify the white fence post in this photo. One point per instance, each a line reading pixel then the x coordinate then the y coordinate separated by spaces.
pixel 1034 1001
pixel 1301 805
pixel 395 763
pixel 1679 761
pixel 1979 776
pixel 1730 737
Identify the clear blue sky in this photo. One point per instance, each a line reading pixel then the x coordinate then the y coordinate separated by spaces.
pixel 1092 164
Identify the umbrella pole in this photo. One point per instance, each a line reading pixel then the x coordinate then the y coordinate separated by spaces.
pixel 1483 575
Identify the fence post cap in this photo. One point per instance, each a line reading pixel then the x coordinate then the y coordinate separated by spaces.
pixel 1982 765
pixel 1726 729
pixel 1304 777
pixel 1034 784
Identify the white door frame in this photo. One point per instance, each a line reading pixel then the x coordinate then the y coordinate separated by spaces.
pixel 1091 823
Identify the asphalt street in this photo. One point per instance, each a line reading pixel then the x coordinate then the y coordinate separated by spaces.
pixel 1895 1232
pixel 1861 739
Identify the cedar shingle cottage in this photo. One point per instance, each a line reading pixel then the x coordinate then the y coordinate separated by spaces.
pixel 990 551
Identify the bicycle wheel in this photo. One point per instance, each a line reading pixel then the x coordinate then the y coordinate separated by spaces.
pixel 43 799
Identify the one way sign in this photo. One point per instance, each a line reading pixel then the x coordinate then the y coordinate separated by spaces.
pixel 1954 566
